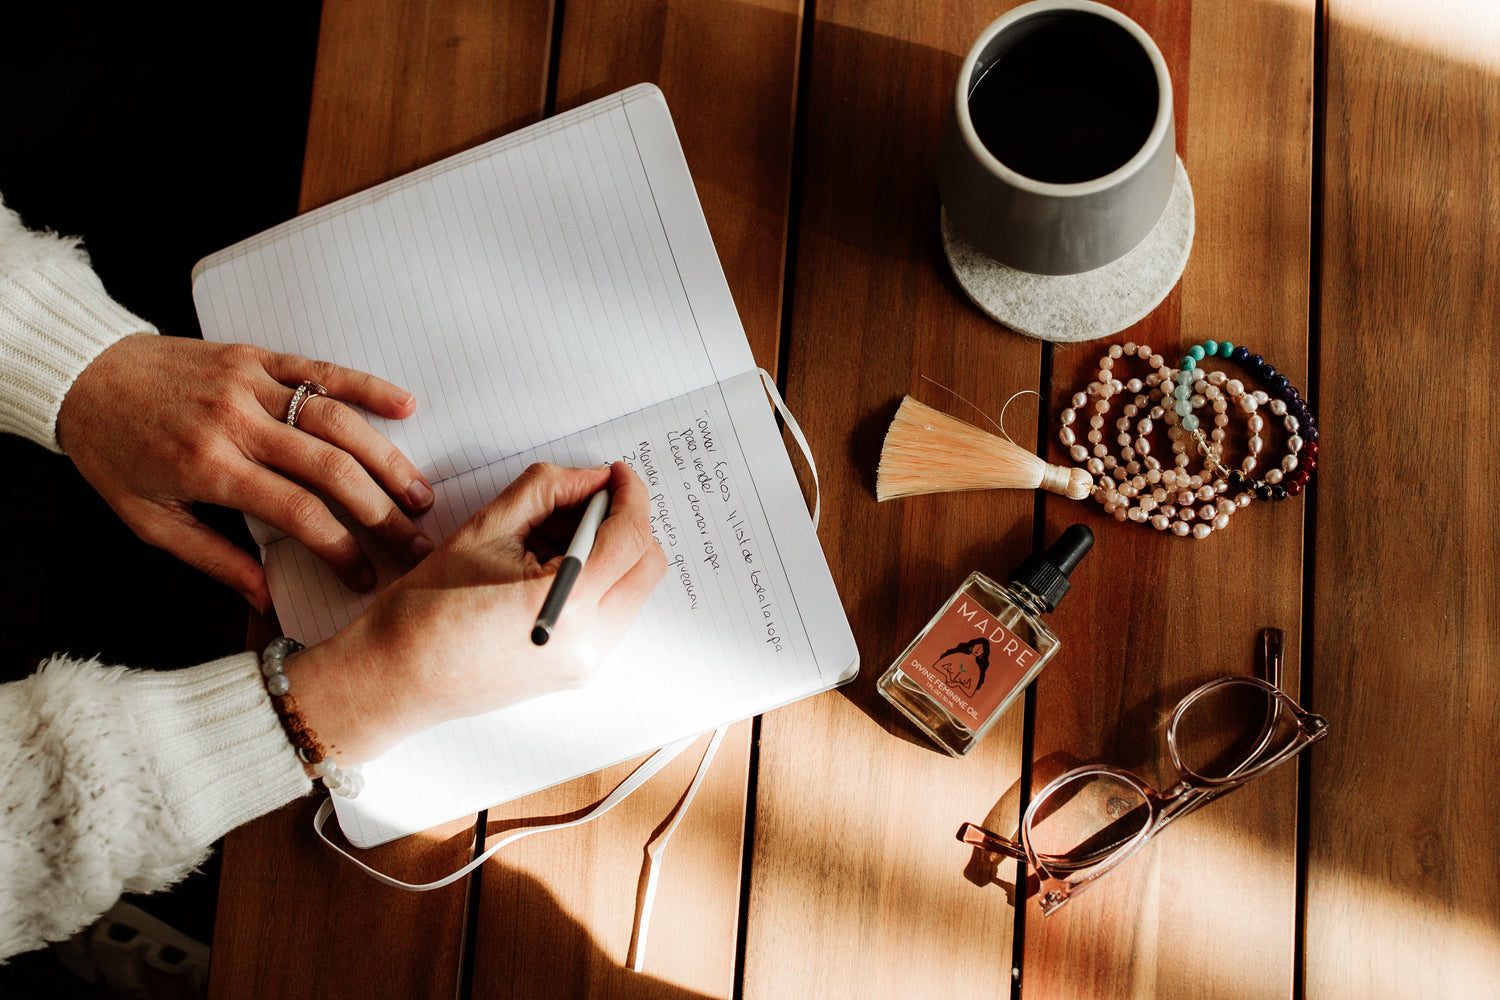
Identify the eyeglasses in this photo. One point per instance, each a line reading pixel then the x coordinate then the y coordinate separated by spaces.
pixel 1084 824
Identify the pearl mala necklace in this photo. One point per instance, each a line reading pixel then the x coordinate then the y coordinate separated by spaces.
pixel 1134 485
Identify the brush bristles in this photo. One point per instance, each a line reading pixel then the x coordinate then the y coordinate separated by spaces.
pixel 927 451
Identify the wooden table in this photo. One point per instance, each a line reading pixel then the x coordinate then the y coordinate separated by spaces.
pixel 1343 159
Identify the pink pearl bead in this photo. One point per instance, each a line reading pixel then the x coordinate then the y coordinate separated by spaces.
pixel 1068 416
pixel 1255 445
pixel 1180 528
pixel 1221 522
pixel 1201 530
pixel 1068 437
pixel 1129 347
pixel 1294 444
pixel 1273 476
pixel 1160 522
pixel 1255 423
pixel 1159 494
pixel 1289 463
pixel 1094 466
pixel 1078 452
pixel 1134 385
pixel 1234 387
pixel 1136 514
pixel 1205 492
pixel 1120 515
pixel 1290 423
pixel 1278 407
pixel 1206 512
pixel 1114 350
pixel 1079 400
pixel 1243 499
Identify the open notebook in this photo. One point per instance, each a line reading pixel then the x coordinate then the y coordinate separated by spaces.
pixel 555 295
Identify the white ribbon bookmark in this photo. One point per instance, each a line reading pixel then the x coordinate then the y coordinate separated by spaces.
pixel 657 847
pixel 654 850
pixel 797 435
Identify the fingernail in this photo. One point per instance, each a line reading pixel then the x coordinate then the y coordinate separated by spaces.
pixel 406 400
pixel 420 546
pixel 419 494
pixel 365 581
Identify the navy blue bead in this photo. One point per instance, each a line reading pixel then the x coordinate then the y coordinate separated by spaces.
pixel 1267 372
pixel 1279 383
pixel 1239 354
pixel 1255 362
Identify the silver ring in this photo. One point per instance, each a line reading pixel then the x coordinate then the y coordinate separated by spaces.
pixel 304 392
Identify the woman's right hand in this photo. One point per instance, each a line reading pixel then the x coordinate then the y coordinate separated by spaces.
pixel 452 637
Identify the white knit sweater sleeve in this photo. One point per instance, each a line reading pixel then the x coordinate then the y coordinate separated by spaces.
pixel 116 780
pixel 55 317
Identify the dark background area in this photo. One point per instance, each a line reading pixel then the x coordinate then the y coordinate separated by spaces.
pixel 159 135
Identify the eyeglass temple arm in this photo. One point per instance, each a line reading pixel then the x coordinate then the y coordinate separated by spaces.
pixel 978 836
pixel 1273 654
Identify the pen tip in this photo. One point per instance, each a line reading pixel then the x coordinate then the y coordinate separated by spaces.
pixel 540 634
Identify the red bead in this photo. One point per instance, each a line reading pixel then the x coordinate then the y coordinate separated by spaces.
pixel 1301 477
pixel 1309 462
pixel 1310 448
pixel 1294 488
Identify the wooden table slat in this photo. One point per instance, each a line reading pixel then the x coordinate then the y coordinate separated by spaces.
pixel 859 887
pixel 1209 908
pixel 1403 862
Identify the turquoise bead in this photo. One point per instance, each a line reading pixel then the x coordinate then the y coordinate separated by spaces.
pixel 1189 422
pixel 1210 347
pixel 1197 352
pixel 1182 391
pixel 1224 348
pixel 1189 363
pixel 1183 408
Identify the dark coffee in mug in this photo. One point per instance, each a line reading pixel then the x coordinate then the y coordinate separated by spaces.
pixel 1073 97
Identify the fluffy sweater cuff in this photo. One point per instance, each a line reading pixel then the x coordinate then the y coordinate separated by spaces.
pixel 55 318
pixel 120 780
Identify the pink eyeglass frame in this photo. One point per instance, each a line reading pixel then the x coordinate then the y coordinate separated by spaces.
pixel 1192 791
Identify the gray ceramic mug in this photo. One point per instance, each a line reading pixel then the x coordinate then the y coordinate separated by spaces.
pixel 1060 149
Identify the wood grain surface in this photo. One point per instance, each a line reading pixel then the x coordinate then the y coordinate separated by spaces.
pixel 1403 862
pixel 858 886
pixel 1209 908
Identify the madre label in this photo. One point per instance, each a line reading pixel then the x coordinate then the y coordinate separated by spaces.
pixel 968 661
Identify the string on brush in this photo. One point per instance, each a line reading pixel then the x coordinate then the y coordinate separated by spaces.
pixel 928 451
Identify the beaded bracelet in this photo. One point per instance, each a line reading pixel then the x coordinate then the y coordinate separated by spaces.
pixel 1136 486
pixel 1142 489
pixel 309 748
pixel 1297 466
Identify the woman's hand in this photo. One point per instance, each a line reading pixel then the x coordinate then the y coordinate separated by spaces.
pixel 452 638
pixel 157 423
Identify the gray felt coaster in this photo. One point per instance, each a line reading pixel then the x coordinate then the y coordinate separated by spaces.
pixel 1069 308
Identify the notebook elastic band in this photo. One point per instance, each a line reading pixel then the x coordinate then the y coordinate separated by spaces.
pixel 797 435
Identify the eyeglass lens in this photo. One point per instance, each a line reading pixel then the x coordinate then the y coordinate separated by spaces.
pixel 1231 729
pixel 1083 818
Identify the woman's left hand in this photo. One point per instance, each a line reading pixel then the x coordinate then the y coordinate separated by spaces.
pixel 158 423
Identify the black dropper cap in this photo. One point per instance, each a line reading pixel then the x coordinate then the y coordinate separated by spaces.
pixel 1046 575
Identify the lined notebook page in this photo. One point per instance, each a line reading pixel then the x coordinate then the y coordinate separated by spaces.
pixel 524 290
pixel 746 620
